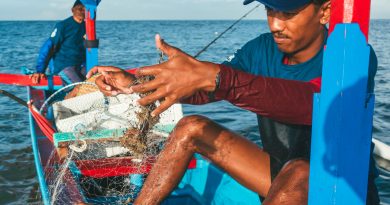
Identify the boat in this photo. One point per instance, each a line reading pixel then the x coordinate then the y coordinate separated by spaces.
pixel 116 179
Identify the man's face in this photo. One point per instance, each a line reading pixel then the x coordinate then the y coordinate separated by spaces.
pixel 79 12
pixel 296 30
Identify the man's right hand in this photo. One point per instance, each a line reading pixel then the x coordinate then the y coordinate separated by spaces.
pixel 113 80
pixel 176 79
pixel 36 77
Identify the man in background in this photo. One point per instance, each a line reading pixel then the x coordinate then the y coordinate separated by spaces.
pixel 66 48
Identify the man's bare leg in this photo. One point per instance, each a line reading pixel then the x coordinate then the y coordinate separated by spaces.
pixel 291 185
pixel 239 157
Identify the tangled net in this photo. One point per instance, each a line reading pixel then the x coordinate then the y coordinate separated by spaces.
pixel 136 139
pixel 105 146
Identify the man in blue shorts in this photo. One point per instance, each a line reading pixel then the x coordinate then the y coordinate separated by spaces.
pixel 273 75
pixel 66 48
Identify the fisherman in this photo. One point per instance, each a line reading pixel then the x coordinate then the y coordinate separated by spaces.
pixel 273 75
pixel 66 47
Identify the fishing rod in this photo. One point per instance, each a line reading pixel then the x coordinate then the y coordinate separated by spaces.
pixel 41 121
pixel 226 30
pixel 13 97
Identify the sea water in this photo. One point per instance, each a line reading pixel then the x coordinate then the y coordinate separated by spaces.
pixel 130 44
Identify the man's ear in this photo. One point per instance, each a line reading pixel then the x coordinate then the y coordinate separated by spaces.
pixel 325 12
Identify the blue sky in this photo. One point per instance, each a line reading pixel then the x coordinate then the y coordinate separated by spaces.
pixel 148 9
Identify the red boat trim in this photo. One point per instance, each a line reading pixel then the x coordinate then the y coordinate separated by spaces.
pixel 132 70
pixel 43 123
pixel 351 11
pixel 90 25
pixel 24 80
pixel 101 168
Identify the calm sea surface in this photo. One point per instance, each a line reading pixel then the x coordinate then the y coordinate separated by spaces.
pixel 131 44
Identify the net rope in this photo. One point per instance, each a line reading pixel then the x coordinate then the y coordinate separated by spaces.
pixel 61 90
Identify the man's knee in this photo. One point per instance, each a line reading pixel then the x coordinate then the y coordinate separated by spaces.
pixel 190 127
pixel 297 168
pixel 291 184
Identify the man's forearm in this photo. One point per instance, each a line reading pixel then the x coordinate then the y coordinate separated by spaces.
pixel 45 54
pixel 283 100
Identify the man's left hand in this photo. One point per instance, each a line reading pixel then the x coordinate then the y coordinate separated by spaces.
pixel 113 80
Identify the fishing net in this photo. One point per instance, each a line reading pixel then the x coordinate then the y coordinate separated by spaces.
pixel 104 146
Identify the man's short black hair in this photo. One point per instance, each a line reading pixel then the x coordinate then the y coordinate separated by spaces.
pixel 77 2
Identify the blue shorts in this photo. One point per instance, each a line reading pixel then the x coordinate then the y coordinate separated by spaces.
pixel 72 74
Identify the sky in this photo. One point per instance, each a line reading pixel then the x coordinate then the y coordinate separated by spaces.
pixel 149 9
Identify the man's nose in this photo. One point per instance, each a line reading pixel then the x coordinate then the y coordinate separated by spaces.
pixel 276 24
